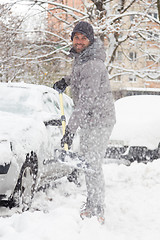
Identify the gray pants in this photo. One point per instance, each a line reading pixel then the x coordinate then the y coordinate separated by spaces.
pixel 93 144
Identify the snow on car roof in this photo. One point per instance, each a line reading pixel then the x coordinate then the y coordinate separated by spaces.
pixel 34 92
pixel 15 95
pixel 24 85
pixel 138 121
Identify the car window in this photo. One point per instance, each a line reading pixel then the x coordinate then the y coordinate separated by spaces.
pixel 57 105
pixel 50 103
pixel 68 108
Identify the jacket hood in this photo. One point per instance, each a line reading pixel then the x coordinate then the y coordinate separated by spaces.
pixel 94 51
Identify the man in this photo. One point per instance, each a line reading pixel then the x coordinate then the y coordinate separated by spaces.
pixel 94 112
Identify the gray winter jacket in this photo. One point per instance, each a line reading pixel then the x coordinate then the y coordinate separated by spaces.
pixel 91 90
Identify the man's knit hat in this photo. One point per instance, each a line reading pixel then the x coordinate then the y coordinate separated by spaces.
pixel 86 29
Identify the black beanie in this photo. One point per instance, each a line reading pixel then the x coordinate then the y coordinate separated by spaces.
pixel 86 29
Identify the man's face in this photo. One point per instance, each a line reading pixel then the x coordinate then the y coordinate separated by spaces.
pixel 80 42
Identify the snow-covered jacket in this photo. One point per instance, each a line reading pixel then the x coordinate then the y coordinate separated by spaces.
pixel 90 87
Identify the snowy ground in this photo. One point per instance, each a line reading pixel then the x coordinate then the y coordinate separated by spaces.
pixel 132 209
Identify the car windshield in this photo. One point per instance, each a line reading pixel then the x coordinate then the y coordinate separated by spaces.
pixel 15 100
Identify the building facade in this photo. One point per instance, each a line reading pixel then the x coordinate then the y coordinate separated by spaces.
pixel 138 58
pixel 136 64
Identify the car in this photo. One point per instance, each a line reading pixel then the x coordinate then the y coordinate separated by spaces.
pixel 30 131
pixel 136 134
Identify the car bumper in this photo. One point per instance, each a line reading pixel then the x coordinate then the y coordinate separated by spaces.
pixel 132 153
pixel 8 179
pixel 140 154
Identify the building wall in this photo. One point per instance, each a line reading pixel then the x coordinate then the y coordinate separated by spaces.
pixel 59 19
pixel 135 57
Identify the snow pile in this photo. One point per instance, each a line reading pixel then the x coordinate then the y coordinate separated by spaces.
pixel 132 209
pixel 138 121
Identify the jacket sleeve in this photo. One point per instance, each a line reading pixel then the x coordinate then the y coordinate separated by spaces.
pixel 67 79
pixel 90 82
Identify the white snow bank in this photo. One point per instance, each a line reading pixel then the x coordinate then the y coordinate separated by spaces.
pixel 132 209
pixel 138 121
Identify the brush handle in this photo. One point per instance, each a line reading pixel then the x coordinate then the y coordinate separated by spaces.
pixel 63 118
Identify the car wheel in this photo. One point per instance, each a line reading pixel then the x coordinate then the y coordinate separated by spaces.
pixel 25 187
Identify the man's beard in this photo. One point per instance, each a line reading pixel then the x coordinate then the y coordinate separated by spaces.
pixel 79 50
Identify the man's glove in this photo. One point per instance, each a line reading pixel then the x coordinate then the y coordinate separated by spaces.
pixel 67 138
pixel 60 86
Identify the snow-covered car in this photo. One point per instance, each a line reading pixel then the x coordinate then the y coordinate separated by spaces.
pixel 30 131
pixel 136 134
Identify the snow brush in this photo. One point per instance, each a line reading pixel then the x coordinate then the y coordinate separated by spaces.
pixel 64 156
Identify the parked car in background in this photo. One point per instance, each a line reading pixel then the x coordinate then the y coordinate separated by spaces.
pixel 30 131
pixel 136 134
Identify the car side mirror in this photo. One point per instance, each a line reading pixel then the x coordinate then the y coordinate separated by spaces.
pixel 53 122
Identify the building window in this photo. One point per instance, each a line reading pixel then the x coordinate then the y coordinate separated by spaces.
pixel 132 56
pixel 132 78
pixel 153 35
pixel 132 17
pixel 153 14
pixel 119 55
pixel 152 57
pixel 117 78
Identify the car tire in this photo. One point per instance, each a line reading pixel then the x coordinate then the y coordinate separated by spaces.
pixel 26 184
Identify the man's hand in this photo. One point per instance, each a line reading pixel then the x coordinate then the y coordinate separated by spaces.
pixel 67 138
pixel 60 86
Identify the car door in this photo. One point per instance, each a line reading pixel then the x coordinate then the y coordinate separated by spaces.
pixel 54 128
pixel 54 131
pixel 52 122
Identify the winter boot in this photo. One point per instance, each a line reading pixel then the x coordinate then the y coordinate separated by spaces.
pixel 101 220
pixel 89 211
pixel 86 211
pixel 99 213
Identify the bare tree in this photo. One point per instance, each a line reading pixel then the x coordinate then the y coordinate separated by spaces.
pixel 129 29
pixel 8 34
pixel 158 7
pixel 38 53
